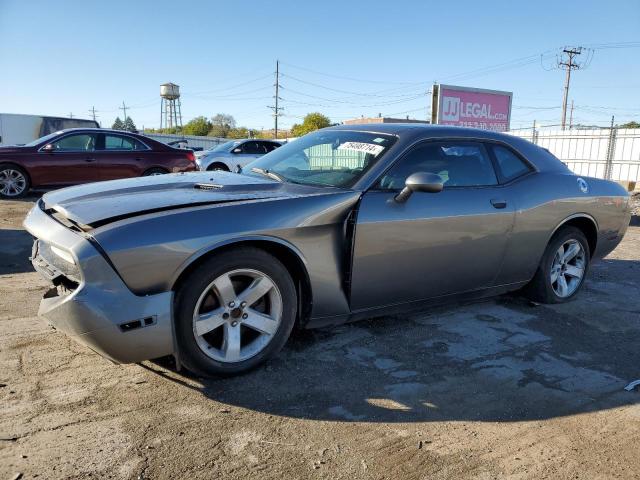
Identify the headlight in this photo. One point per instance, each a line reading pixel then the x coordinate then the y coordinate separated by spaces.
pixel 63 254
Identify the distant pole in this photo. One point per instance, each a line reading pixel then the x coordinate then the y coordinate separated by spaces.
pixel 571 116
pixel 93 113
pixel 276 108
pixel 124 109
pixel 70 114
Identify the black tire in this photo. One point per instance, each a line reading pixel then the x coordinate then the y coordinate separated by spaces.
pixel 155 171
pixel 4 167
pixel 218 166
pixel 190 290
pixel 540 289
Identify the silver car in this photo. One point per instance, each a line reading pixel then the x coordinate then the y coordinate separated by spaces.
pixel 345 223
pixel 233 154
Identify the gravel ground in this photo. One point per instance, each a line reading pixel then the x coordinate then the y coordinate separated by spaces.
pixel 494 389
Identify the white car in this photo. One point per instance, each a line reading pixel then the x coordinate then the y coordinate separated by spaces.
pixel 228 156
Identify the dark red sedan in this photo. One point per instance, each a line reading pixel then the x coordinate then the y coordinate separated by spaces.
pixel 83 155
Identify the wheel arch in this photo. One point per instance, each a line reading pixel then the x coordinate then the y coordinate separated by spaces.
pixel 285 252
pixel 586 224
pixel 213 164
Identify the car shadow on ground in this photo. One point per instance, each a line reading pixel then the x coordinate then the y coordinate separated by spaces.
pixel 499 360
pixel 15 250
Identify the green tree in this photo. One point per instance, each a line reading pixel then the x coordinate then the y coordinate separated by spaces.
pixel 118 124
pixel 239 132
pixel 313 121
pixel 129 126
pixel 221 125
pixel 630 125
pixel 198 126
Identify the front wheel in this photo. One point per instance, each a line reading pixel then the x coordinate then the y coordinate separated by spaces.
pixel 234 311
pixel 14 181
pixel 562 269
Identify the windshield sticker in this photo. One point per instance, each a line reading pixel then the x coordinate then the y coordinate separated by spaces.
pixel 379 140
pixel 362 147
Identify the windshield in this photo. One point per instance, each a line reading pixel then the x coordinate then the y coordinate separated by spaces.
pixel 335 158
pixel 223 147
pixel 43 139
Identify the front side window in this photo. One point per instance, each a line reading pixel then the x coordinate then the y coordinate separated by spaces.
pixel 336 158
pixel 252 148
pixel 270 146
pixel 82 142
pixel 510 165
pixel 117 142
pixel 460 164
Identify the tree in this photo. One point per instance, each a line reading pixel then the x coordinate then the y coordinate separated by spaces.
pixel 221 125
pixel 118 124
pixel 630 125
pixel 313 121
pixel 129 126
pixel 198 126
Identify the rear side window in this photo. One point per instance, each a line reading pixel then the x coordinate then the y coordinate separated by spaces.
pixel 270 146
pixel 510 165
pixel 116 142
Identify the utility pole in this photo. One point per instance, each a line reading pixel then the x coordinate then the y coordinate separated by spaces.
pixel 571 116
pixel 93 113
pixel 124 108
pixel 568 63
pixel 276 109
pixel 70 114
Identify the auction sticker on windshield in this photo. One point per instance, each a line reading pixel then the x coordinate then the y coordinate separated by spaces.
pixel 362 147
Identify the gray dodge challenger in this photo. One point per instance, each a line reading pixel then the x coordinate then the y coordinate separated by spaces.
pixel 349 222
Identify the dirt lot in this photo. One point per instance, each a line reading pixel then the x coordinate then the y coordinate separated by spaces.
pixel 494 389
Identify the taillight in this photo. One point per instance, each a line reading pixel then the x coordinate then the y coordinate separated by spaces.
pixel 191 156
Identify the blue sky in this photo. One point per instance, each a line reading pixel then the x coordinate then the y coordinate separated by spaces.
pixel 342 58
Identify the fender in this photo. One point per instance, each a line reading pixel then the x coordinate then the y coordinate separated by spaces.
pixel 237 240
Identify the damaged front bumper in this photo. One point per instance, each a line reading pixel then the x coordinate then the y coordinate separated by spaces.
pixel 89 301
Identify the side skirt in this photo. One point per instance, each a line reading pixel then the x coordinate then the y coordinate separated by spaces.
pixel 319 322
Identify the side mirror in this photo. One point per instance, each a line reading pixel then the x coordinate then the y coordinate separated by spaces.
pixel 420 182
pixel 236 150
pixel 49 148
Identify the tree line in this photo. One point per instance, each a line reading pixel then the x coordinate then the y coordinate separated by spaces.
pixel 223 125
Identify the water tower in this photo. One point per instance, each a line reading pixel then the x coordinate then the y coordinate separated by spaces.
pixel 170 113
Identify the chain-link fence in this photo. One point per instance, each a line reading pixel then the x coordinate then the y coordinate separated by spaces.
pixel 611 153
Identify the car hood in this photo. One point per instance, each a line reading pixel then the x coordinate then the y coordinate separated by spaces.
pixel 96 204
pixel 13 149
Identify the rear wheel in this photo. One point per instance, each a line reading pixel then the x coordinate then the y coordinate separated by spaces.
pixel 563 268
pixel 234 311
pixel 14 181
pixel 154 171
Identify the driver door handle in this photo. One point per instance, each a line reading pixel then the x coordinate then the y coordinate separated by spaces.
pixel 498 203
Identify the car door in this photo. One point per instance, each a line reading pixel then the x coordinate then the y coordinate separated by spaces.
pixel 121 156
pixel 433 244
pixel 68 160
pixel 247 152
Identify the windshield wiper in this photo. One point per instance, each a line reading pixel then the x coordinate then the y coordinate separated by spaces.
pixel 268 173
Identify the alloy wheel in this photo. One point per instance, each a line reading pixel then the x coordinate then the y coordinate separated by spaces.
pixel 237 315
pixel 568 268
pixel 12 182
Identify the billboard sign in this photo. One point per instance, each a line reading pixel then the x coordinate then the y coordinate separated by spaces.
pixel 471 107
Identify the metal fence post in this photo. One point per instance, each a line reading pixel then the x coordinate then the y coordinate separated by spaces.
pixel 611 148
pixel 534 135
